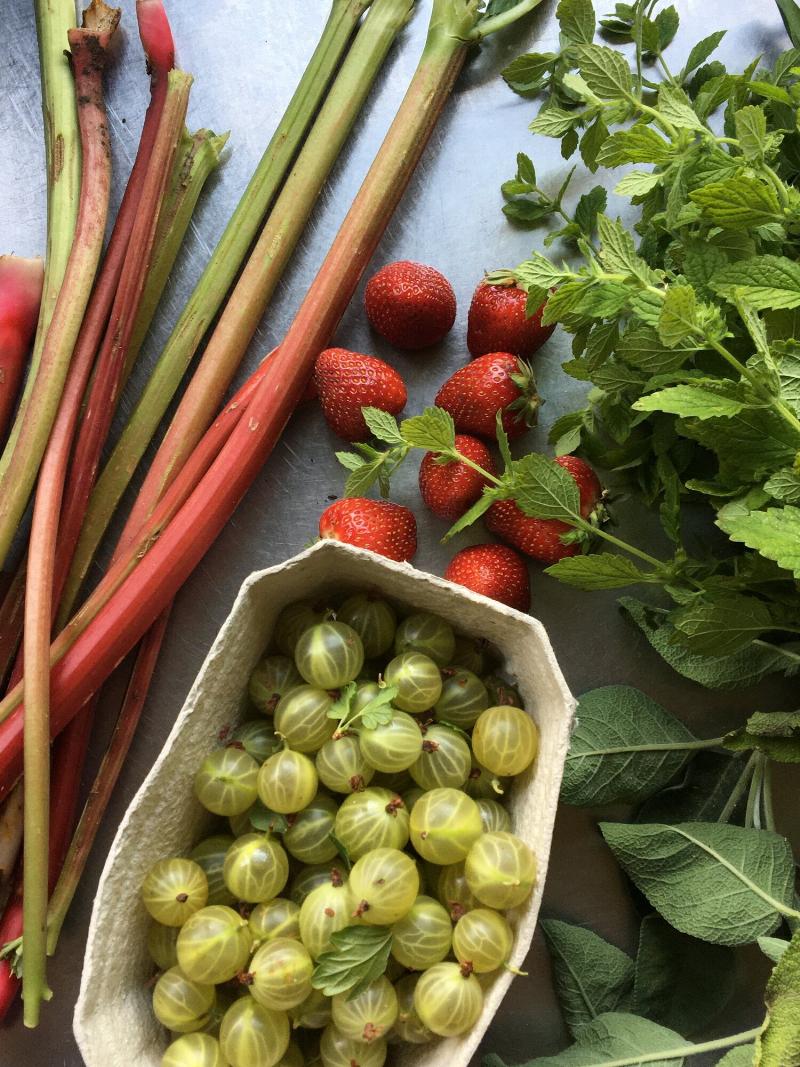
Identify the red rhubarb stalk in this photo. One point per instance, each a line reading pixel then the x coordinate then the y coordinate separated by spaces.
pixel 168 555
pixel 88 48
pixel 21 283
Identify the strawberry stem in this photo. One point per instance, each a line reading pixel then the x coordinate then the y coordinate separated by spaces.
pixel 88 48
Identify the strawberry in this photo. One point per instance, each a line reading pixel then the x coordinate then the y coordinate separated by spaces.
pixel 498 321
pixel 378 525
pixel 494 571
pixel 411 305
pixel 347 381
pixel 541 538
pixel 450 489
pixel 475 393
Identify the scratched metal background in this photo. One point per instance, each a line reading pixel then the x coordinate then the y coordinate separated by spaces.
pixel 247 56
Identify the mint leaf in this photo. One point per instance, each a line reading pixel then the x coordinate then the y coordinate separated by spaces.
pixel 640 346
pixel 784 485
pixel 624 749
pixel 617 252
pixel 764 281
pixel 382 425
pixel 678 319
pixel 640 144
pixel 591 143
pixel 350 461
pixel 724 626
pixel 364 477
pixel 751 131
pixel 702 50
pixel 738 203
pixel 691 401
pixel 359 955
pixel 540 273
pixel 775 533
pixel 553 121
pixel 433 429
pixel 502 440
pixel 590 975
pixel 543 489
pixel 749 445
pixel 779 1043
pixel 736 671
pixel 618 1036
pixel 673 104
pixel 775 733
pixel 724 884
pixel 680 982
pixel 576 19
pixel 604 70
pixel 597 571
pixel 637 183
pixel 481 505
pixel 525 74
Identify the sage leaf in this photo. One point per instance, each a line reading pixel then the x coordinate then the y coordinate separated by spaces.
pixel 741 1056
pixel 779 1043
pixel 724 884
pixel 680 982
pixel 775 533
pixel 702 794
pixel 619 1036
pixel 775 733
pixel 740 669
pixel 773 947
pixel 721 627
pixel 358 956
pixel 591 976
pixel 625 748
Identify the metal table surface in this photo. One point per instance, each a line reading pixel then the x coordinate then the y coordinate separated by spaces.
pixel 246 58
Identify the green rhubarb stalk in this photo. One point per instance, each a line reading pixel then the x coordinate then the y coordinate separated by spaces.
pixel 54 19
pixel 282 230
pixel 214 284
pixel 89 53
pixel 197 158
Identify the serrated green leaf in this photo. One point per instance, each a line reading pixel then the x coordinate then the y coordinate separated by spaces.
pixel 673 104
pixel 624 749
pixel 641 347
pixel 737 671
pixel 543 489
pixel 526 171
pixel 678 319
pixel 364 477
pixel 617 1036
pixel 591 976
pixel 592 140
pixel 738 203
pixel 359 955
pixel 691 401
pixel 565 433
pixel 597 570
pixel 637 183
pixel 680 982
pixel 775 533
pixel 618 253
pixel 540 273
pixel 721 627
pixel 502 440
pixel 340 708
pixel 702 50
pixel 382 425
pixel 751 131
pixel 481 505
pixel 784 485
pixel 576 19
pixel 749 445
pixel 527 212
pixel 589 207
pixel 640 144
pixel 553 121
pixel 724 884
pixel 779 1043
pixel 379 710
pixel 350 461
pixel 524 74
pixel 605 70
pixel 775 733
pixel 764 281
pixel 433 429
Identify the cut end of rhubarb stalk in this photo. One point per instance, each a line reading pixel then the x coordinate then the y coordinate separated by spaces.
pixel 21 282
pixel 100 18
pixel 156 36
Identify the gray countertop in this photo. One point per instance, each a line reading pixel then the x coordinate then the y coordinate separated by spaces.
pixel 247 58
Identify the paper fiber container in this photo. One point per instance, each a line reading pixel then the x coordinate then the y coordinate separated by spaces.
pixel 114 1024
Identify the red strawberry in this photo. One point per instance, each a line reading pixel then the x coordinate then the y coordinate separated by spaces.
pixel 449 489
pixel 475 393
pixel 541 538
pixel 347 381
pixel 411 305
pixel 498 323
pixel 382 527
pixel 493 570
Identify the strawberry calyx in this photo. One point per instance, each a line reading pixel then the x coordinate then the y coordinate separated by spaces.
pixel 505 278
pixel 526 406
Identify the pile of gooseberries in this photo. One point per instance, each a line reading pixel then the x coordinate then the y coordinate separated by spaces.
pixel 366 790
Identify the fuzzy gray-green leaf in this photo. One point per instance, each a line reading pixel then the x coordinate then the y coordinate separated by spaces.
pixel 619 1036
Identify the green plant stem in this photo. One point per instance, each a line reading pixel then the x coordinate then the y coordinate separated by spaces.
pixel 214 284
pixel 686 746
pixel 766 793
pixel 753 812
pixel 499 22
pixel 278 239
pixel 54 19
pixel 738 790
pixel 89 52
pixel 683 1050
